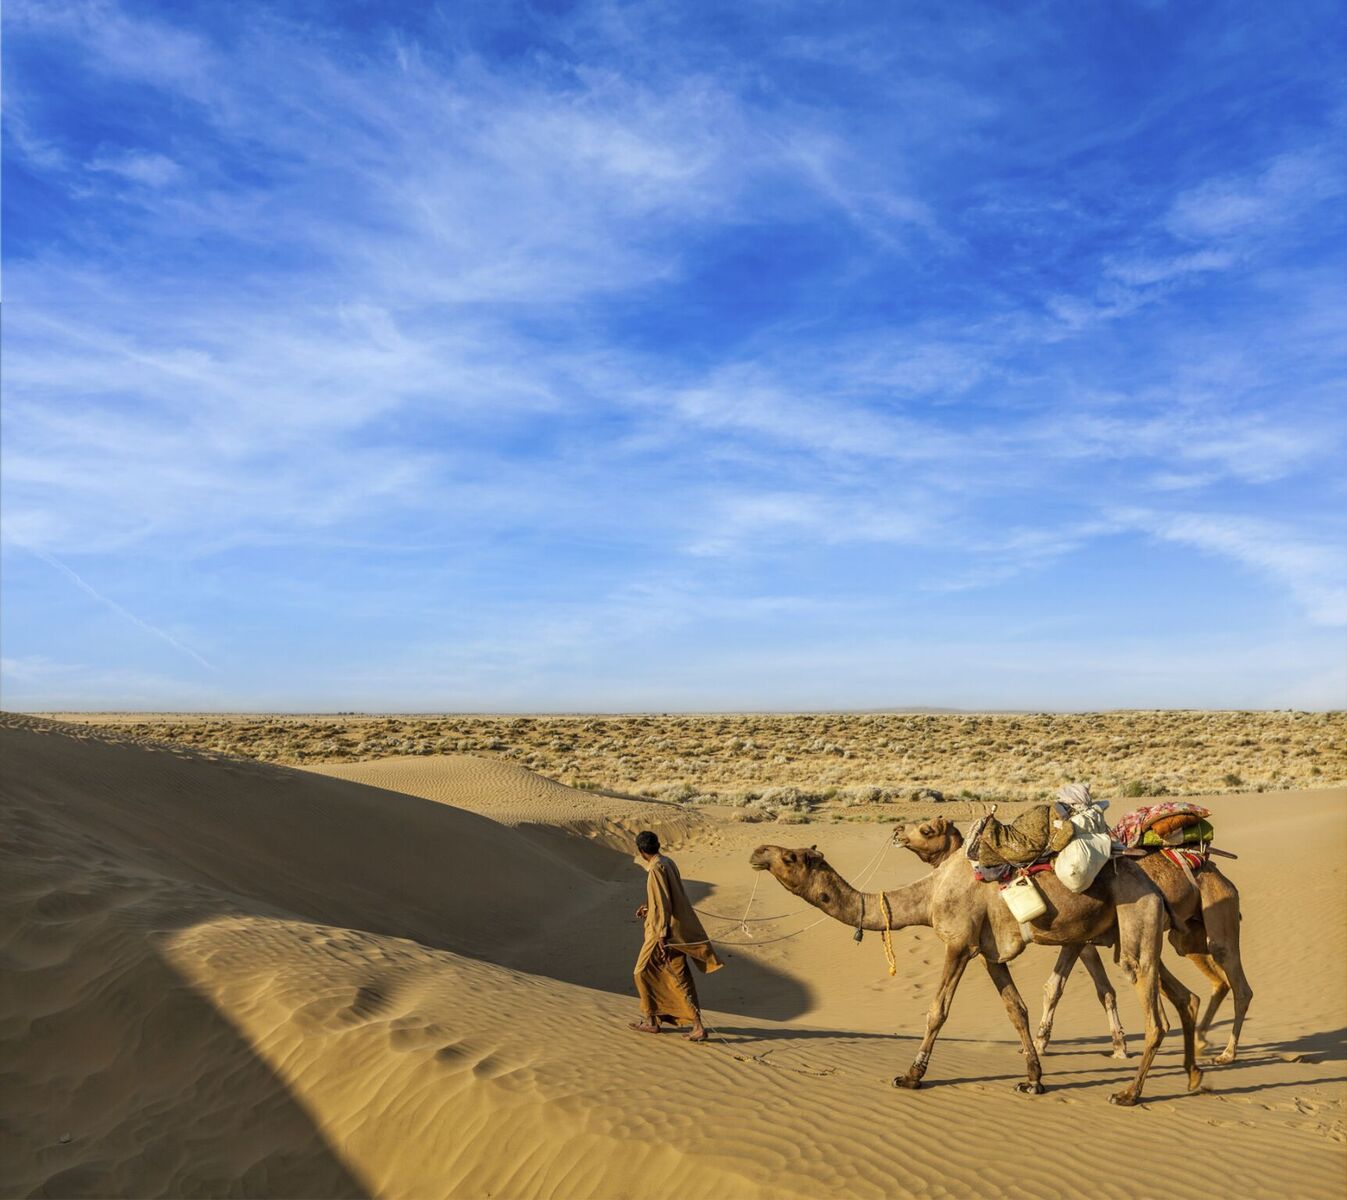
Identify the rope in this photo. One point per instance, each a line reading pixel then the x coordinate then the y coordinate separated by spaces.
pixel 869 869
pixel 745 919
pixel 888 936
pixel 766 942
pixel 739 920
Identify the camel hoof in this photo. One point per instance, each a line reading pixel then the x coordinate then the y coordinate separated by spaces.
pixel 1123 1099
pixel 1195 1082
pixel 906 1081
pixel 1224 1059
pixel 1120 1054
pixel 1030 1088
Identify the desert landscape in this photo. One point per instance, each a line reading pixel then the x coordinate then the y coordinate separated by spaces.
pixel 411 975
pixel 574 576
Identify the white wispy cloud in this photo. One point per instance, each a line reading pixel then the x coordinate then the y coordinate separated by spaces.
pixel 145 167
pixel 1260 203
pixel 1315 571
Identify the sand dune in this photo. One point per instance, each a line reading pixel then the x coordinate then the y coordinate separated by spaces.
pixel 226 978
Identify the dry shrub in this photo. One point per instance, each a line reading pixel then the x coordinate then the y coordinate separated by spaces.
pixel 797 763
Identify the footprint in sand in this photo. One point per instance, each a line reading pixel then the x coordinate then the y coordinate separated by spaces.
pixel 345 1011
pixel 412 1033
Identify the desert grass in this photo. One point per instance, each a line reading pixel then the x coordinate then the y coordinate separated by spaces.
pixel 796 762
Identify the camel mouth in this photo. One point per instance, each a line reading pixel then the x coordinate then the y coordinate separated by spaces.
pixel 759 859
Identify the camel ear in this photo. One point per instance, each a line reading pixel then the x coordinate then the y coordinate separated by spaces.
pixel 811 856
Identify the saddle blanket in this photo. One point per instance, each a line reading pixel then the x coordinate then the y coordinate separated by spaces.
pixel 1191 858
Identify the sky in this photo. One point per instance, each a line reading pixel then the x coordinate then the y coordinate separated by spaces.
pixel 673 356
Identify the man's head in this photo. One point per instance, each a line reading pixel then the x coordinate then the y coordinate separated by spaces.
pixel 647 843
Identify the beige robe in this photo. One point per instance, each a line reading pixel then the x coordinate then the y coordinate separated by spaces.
pixel 665 987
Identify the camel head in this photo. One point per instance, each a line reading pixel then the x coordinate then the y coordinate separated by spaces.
pixel 794 869
pixel 931 840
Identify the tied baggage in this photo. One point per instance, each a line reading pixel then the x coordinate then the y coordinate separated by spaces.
pixel 1131 830
pixel 1091 846
pixel 1030 836
pixel 1191 835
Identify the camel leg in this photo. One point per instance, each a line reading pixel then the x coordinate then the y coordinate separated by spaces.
pixel 956 959
pixel 1220 914
pixel 1187 1004
pixel 1220 986
pixel 1140 926
pixel 1019 1017
pixel 1052 993
pixel 1229 963
pixel 1103 988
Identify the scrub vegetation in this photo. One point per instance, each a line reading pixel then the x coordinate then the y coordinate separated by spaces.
pixel 797 763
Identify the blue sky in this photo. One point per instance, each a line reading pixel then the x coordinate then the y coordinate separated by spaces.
pixel 674 356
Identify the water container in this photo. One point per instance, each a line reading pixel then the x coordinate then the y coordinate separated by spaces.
pixel 1023 899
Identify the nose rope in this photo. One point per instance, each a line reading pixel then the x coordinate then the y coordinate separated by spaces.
pixel 866 872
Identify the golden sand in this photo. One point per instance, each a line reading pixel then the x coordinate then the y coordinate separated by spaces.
pixel 230 977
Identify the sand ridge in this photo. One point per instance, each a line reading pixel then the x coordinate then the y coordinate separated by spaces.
pixel 227 978
pixel 518 797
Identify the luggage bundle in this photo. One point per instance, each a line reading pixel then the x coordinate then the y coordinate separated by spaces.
pixel 1029 838
pixel 1173 823
pixel 1092 844
pixel 1069 837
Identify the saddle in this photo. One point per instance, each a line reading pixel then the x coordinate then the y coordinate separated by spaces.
pixel 1033 835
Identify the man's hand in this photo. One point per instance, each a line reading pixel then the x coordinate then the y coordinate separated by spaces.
pixel 662 951
pixel 640 912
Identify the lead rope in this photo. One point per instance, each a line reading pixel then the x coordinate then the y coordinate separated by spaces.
pixel 870 868
pixel 743 921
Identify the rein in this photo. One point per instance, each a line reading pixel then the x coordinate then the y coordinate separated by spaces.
pixel 866 872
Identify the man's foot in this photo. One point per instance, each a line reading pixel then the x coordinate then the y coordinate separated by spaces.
pixel 698 1034
pixel 644 1026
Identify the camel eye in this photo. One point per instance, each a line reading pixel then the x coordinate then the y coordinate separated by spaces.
pixel 789 856
pixel 926 829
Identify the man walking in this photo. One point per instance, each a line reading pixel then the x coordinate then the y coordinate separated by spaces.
pixel 673 935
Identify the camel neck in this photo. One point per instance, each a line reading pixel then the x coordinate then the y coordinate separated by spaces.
pixel 908 905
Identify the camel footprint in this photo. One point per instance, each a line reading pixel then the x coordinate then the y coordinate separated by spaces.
pixel 415 1033
pixel 346 1011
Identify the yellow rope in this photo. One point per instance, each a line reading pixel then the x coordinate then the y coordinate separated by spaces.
pixel 888 940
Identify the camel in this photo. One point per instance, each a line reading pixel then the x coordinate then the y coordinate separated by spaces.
pixel 1205 929
pixel 1122 908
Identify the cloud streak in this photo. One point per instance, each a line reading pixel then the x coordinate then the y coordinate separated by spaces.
pixel 112 605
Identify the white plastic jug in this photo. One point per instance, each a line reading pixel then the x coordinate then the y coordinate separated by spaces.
pixel 1023 899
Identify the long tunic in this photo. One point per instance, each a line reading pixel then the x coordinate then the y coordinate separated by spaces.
pixel 665 988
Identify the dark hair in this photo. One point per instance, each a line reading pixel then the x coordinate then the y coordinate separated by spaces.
pixel 647 842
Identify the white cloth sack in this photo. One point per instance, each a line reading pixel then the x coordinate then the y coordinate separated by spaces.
pixel 1085 854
